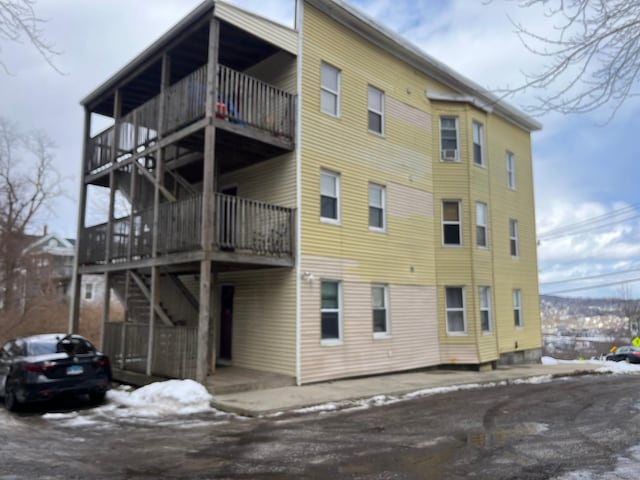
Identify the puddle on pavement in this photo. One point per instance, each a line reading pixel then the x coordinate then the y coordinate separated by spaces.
pixel 499 437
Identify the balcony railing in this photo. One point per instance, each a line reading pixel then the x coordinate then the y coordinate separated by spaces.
pixel 241 100
pixel 243 225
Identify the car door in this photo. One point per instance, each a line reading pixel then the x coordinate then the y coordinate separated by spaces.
pixel 622 353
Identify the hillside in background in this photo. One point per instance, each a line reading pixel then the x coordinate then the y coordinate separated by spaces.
pixel 582 327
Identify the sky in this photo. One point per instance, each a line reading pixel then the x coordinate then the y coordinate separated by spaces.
pixel 584 166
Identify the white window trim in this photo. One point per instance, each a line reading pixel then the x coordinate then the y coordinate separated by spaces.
pixel 463 309
pixel 517 294
pixel 450 222
pixel 485 226
pixel 332 341
pixel 377 112
pixel 514 238
pixel 457 149
pixel 328 90
pixel 88 289
pixel 511 170
pixel 384 208
pixel 488 309
pixel 387 334
pixel 336 176
pixel 483 163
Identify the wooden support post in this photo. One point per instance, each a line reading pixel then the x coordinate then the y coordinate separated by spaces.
pixel 215 318
pixel 105 307
pixel 153 300
pixel 159 180
pixel 74 311
pixel 206 335
pixel 132 191
pixel 117 111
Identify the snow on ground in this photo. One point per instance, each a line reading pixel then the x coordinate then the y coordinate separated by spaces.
pixel 166 401
pixel 626 467
pixel 380 400
pixel 169 402
pixel 605 366
pixel 179 397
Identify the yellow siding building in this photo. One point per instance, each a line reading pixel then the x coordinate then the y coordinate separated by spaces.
pixel 320 202
pixel 370 117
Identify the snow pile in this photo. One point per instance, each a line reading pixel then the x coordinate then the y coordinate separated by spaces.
pixel 605 366
pixel 181 397
pixel 619 367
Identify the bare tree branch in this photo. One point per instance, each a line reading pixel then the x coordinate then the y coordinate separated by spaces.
pixel 28 183
pixel 18 21
pixel 593 60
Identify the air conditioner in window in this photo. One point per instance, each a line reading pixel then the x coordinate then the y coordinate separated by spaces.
pixel 450 154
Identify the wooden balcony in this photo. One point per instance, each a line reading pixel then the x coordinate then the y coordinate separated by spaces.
pixel 245 105
pixel 242 226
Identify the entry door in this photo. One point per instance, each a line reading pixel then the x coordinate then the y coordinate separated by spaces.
pixel 226 323
pixel 228 219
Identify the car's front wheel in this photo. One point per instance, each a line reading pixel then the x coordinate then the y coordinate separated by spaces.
pixel 11 402
pixel 97 397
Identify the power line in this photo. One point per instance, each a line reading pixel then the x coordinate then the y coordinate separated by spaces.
pixel 591 277
pixel 585 229
pixel 591 223
pixel 588 221
pixel 593 287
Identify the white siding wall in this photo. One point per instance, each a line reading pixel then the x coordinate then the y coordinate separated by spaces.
pixel 413 342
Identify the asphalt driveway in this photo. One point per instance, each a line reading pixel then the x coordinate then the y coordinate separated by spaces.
pixel 578 427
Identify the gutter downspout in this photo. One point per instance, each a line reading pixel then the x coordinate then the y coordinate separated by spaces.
pixel 298 25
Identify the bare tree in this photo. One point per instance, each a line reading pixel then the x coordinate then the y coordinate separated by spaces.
pixel 28 182
pixel 593 59
pixel 18 22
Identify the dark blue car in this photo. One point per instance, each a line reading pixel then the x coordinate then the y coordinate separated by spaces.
pixel 629 354
pixel 41 367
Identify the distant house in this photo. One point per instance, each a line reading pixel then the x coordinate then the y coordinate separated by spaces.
pixel 321 202
pixel 45 269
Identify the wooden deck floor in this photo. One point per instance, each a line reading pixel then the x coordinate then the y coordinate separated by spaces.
pixel 236 379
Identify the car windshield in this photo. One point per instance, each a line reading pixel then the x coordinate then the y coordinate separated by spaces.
pixel 56 345
pixel 42 347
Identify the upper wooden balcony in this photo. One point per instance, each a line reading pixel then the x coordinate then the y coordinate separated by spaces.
pixel 245 106
pixel 243 228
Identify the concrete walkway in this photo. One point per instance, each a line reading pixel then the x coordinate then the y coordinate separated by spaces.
pixel 264 402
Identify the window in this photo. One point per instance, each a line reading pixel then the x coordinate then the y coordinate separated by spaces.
pixel 481 225
pixel 451 225
pixel 485 308
pixel 330 196
pixel 478 144
pixel 330 90
pixel 456 321
pixel 376 207
pixel 513 237
pixel 330 310
pixel 517 308
pixel 511 171
pixel 88 291
pixel 376 110
pixel 449 138
pixel 379 296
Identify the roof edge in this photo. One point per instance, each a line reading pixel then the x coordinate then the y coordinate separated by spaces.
pixel 397 45
pixel 130 67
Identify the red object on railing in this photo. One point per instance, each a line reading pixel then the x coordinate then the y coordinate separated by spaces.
pixel 221 110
